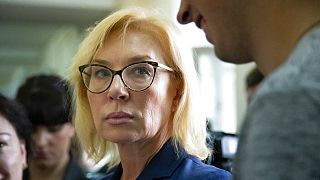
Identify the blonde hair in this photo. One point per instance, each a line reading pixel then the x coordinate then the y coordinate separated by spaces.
pixel 189 125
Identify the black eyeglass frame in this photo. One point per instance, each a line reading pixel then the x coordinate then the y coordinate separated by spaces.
pixel 119 72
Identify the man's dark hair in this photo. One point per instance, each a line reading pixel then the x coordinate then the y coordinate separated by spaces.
pixel 46 99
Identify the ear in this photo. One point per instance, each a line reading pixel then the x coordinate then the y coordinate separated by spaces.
pixel 177 98
pixel 23 152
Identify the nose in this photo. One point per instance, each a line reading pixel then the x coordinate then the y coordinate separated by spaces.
pixel 40 138
pixel 117 90
pixel 184 15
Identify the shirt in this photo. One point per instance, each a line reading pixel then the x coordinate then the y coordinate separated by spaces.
pixel 280 137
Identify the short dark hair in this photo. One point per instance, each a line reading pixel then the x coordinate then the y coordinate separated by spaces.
pixel 254 78
pixel 46 99
pixel 17 117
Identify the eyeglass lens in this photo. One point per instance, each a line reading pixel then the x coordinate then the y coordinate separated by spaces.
pixel 136 77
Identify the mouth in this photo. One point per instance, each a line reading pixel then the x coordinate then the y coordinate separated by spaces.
pixel 41 155
pixel 201 24
pixel 198 21
pixel 118 118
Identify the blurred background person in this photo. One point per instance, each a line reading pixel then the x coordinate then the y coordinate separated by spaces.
pixel 47 101
pixel 253 80
pixel 136 101
pixel 15 139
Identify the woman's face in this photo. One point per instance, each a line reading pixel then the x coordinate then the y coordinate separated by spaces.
pixel 12 152
pixel 124 116
pixel 51 144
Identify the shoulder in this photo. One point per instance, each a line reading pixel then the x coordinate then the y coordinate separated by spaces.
pixel 192 168
pixel 283 118
pixel 74 170
pixel 106 177
pixel 293 85
pixel 286 104
pixel 113 173
pixel 300 70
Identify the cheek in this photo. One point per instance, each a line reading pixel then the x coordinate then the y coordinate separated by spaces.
pixel 64 139
pixel 11 163
pixel 4 165
pixel 202 5
pixel 152 113
pixel 91 100
pixel 95 103
pixel 158 101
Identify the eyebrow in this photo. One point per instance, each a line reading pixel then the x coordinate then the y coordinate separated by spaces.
pixel 133 59
pixel 5 133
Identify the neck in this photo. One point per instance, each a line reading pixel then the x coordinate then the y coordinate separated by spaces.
pixel 54 172
pixel 277 29
pixel 136 156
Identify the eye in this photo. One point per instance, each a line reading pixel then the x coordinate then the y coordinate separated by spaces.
pixel 3 144
pixel 54 129
pixel 101 73
pixel 140 70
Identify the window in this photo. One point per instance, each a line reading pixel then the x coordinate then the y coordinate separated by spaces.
pixel 218 81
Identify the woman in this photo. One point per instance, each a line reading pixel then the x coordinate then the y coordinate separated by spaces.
pixel 14 139
pixel 47 101
pixel 134 101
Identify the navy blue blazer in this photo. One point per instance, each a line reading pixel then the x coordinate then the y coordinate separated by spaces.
pixel 168 164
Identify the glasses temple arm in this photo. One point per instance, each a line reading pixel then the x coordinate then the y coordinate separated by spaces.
pixel 165 67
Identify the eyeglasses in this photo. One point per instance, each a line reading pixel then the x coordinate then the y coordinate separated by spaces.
pixel 136 76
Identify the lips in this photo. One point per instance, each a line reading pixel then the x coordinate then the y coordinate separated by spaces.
pixel 201 24
pixel 41 153
pixel 198 20
pixel 118 118
pixel 41 156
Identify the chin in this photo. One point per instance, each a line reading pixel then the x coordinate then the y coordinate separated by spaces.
pixel 120 139
pixel 229 57
pixel 44 164
pixel 233 60
pixel 209 39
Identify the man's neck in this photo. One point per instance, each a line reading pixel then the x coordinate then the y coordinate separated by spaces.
pixel 277 30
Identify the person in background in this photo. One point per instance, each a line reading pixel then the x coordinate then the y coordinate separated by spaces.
pixel 15 139
pixel 253 81
pixel 136 100
pixel 47 101
pixel 280 135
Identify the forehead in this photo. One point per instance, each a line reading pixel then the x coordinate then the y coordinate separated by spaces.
pixel 6 129
pixel 127 47
pixel 134 40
